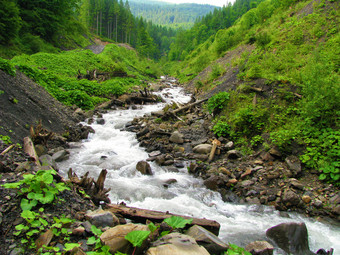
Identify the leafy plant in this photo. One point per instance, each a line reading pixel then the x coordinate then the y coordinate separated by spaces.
pixel 6 139
pixel 7 67
pixel 99 247
pixel 221 128
pixel 236 250
pixel 217 102
pixel 177 222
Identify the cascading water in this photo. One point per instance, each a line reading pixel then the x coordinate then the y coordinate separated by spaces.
pixel 118 151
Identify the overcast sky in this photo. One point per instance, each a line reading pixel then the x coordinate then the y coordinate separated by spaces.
pixel 211 2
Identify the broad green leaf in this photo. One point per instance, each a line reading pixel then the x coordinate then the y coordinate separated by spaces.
pixel 11 185
pixel 71 246
pixel 137 237
pixel 96 231
pixel 322 177
pixel 177 222
pixel 43 222
pixel 152 227
pixel 26 214
pixel 164 233
pixel 47 178
pixel 91 240
pixel 35 224
pixel 48 198
pixel 27 205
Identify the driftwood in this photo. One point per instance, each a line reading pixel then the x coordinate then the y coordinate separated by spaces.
pixel 186 107
pixel 95 189
pixel 29 149
pixel 8 149
pixel 213 149
pixel 40 135
pixel 142 215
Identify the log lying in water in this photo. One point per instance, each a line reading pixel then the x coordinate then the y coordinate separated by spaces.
pixel 142 215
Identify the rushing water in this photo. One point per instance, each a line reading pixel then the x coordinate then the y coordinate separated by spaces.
pixel 118 151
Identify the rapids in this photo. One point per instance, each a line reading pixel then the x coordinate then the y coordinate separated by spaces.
pixel 118 151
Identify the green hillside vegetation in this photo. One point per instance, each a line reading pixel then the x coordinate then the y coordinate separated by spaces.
pixel 172 15
pixel 294 47
pixel 68 76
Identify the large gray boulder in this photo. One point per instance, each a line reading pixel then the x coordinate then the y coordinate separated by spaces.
pixel 202 148
pixel 291 237
pixel 101 218
pixel 176 244
pixel 208 240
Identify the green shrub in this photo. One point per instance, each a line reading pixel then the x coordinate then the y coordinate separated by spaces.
pixel 7 67
pixel 221 128
pixel 262 39
pixel 217 102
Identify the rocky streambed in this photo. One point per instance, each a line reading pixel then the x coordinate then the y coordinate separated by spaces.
pixel 242 193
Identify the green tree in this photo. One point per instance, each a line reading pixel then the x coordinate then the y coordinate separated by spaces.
pixel 10 21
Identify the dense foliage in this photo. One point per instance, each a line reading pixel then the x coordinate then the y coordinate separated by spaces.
pixel 172 15
pixel 294 46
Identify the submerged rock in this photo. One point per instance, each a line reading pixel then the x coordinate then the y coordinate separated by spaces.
pixel 144 167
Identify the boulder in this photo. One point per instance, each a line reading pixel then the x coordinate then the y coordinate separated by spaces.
pixel 47 160
pixel 101 218
pixel 275 152
pixel 203 148
pixel 208 240
pixel 212 182
pixel 144 167
pixel 61 156
pixel 260 248
pixel 176 137
pixel 291 237
pixel 115 237
pixel 100 121
pixel 234 154
pixel 294 164
pixel 290 198
pixel 176 244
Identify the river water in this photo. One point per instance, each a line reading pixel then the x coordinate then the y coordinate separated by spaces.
pixel 118 151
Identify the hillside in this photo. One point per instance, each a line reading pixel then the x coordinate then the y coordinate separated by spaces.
pixel 279 65
pixel 172 15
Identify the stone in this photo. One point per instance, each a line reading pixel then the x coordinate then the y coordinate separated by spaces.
pixel 167 183
pixel 225 171
pixel 160 160
pixel 229 145
pixel 208 240
pixel 275 152
pixel 291 237
pixel 296 184
pixel 100 121
pixel 294 164
pixel 318 203
pixel 40 149
pixel 212 182
pixel 202 148
pixel 44 239
pixel 79 231
pixel 335 199
pixel 144 167
pixel 158 113
pixel 47 160
pixel 336 210
pixel 306 199
pixel 290 198
pixel 247 183
pixel 61 156
pixel 234 154
pixel 154 154
pixel 258 162
pixel 101 218
pixel 115 237
pixel 176 137
pixel 260 248
pixel 232 181
pixel 176 244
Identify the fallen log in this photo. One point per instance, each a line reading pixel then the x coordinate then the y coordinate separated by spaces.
pixel 189 106
pixel 142 215
pixel 29 149
pixel 8 149
pixel 213 149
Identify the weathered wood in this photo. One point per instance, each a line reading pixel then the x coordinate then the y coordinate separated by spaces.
pixel 189 106
pixel 8 149
pixel 142 215
pixel 29 149
pixel 137 99
pixel 213 149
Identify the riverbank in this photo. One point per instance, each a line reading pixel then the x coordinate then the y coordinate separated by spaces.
pixel 75 204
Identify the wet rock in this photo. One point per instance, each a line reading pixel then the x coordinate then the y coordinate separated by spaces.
pixel 247 183
pixel 101 218
pixel 160 160
pixel 291 237
pixel 144 167
pixel 179 164
pixel 212 182
pixel 47 160
pixel 100 121
pixel 234 154
pixel 115 237
pixel 61 156
pixel 154 154
pixel 318 203
pixel 260 248
pixel 208 240
pixel 176 137
pixel 202 148
pixel 143 132
pixel 172 169
pixel 253 200
pixel 158 114
pixel 176 244
pixel 231 197
pixel 290 198
pixel 294 164
pixel 167 183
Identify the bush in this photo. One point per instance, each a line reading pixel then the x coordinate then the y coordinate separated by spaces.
pixel 7 67
pixel 221 128
pixel 217 102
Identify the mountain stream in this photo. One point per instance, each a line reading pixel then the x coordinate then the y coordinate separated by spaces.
pixel 118 151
